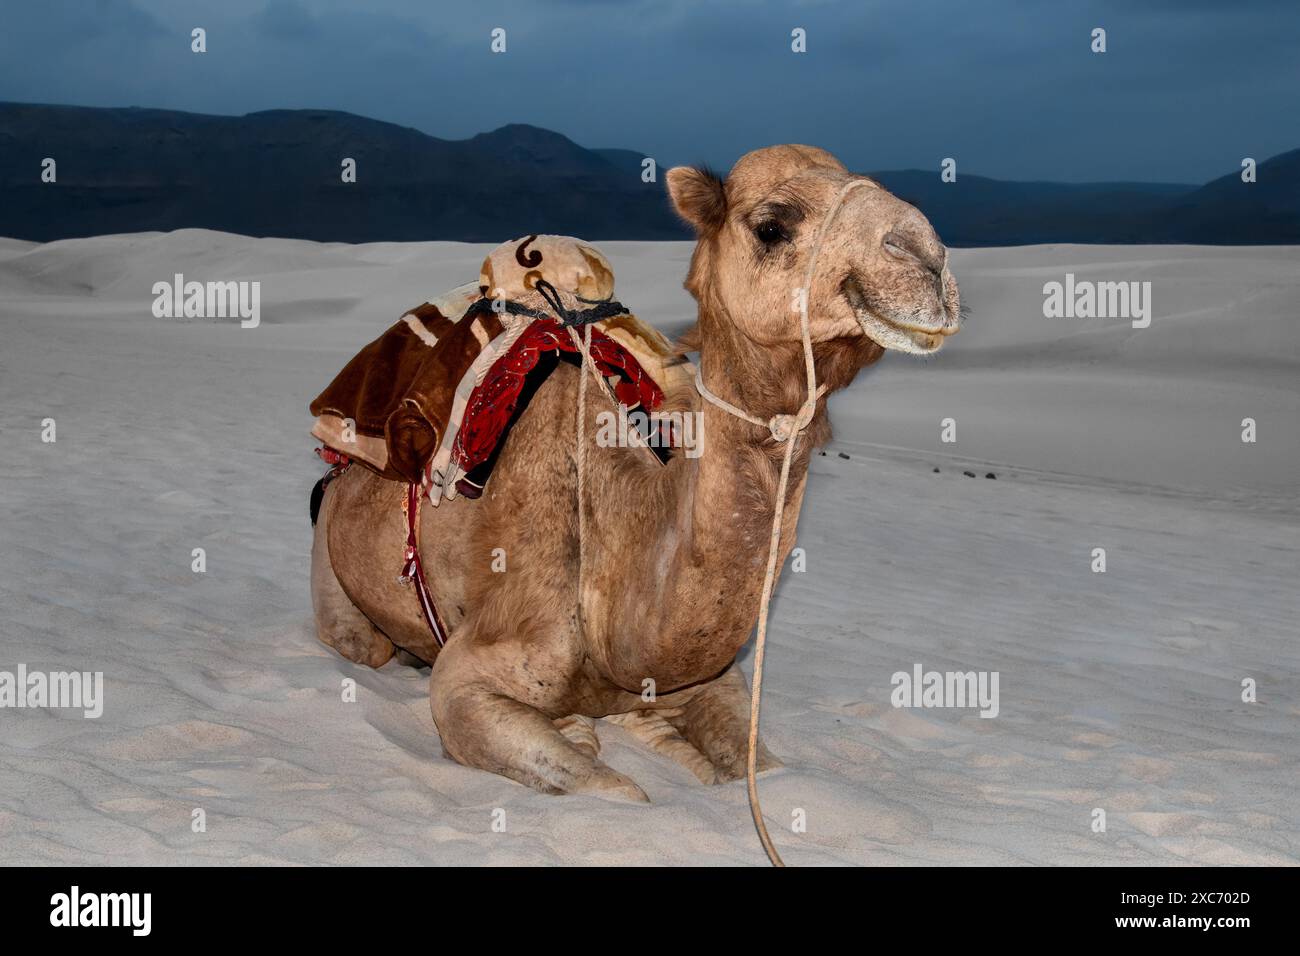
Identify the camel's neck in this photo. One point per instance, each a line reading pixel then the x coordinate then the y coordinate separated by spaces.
pixel 732 489
pixel 708 550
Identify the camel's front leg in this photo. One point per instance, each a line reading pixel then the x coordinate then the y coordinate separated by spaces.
pixel 482 727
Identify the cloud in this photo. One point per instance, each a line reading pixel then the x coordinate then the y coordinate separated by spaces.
pixel 287 20
pixel 1009 87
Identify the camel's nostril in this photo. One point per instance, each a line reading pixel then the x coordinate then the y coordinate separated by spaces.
pixel 926 251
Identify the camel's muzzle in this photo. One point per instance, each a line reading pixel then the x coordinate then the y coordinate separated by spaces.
pixel 919 330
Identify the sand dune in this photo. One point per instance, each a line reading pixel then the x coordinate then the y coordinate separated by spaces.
pixel 1119 691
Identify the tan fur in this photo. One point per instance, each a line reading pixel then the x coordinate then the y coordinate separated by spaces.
pixel 675 554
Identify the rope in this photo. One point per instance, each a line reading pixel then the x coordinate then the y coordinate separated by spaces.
pixel 782 427
pixel 572 317
pixel 600 308
pixel 584 344
pixel 785 429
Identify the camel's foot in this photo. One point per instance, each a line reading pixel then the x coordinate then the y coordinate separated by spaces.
pixel 483 728
pixel 339 623
pixel 610 784
pixel 581 732
pixel 653 729
pixel 715 721
pixel 708 734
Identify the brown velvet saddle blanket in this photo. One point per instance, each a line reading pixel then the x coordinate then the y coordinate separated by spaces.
pixel 431 399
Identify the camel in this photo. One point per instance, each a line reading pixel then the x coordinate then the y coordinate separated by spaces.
pixel 674 554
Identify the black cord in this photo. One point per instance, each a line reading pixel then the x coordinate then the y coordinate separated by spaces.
pixel 575 317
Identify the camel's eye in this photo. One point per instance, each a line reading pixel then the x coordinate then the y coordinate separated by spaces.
pixel 770 232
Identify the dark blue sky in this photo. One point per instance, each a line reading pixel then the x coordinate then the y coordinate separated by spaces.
pixel 1009 88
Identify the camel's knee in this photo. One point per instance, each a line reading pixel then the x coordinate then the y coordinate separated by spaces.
pixel 461 709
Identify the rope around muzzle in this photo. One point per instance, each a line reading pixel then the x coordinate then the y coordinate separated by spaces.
pixel 784 429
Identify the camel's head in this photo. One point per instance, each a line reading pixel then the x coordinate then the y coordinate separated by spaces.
pixel 881 269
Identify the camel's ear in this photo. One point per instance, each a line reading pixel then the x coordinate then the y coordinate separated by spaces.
pixel 698 196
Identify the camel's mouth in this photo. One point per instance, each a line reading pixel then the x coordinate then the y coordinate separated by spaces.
pixel 919 332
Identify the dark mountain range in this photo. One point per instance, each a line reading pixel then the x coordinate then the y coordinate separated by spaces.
pixel 277 173
pixel 1240 214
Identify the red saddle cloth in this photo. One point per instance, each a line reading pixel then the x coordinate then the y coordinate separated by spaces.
pixel 493 402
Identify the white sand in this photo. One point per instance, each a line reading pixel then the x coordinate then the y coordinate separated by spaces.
pixel 1119 691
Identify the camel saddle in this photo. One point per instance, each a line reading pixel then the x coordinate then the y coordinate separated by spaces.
pixel 431 400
